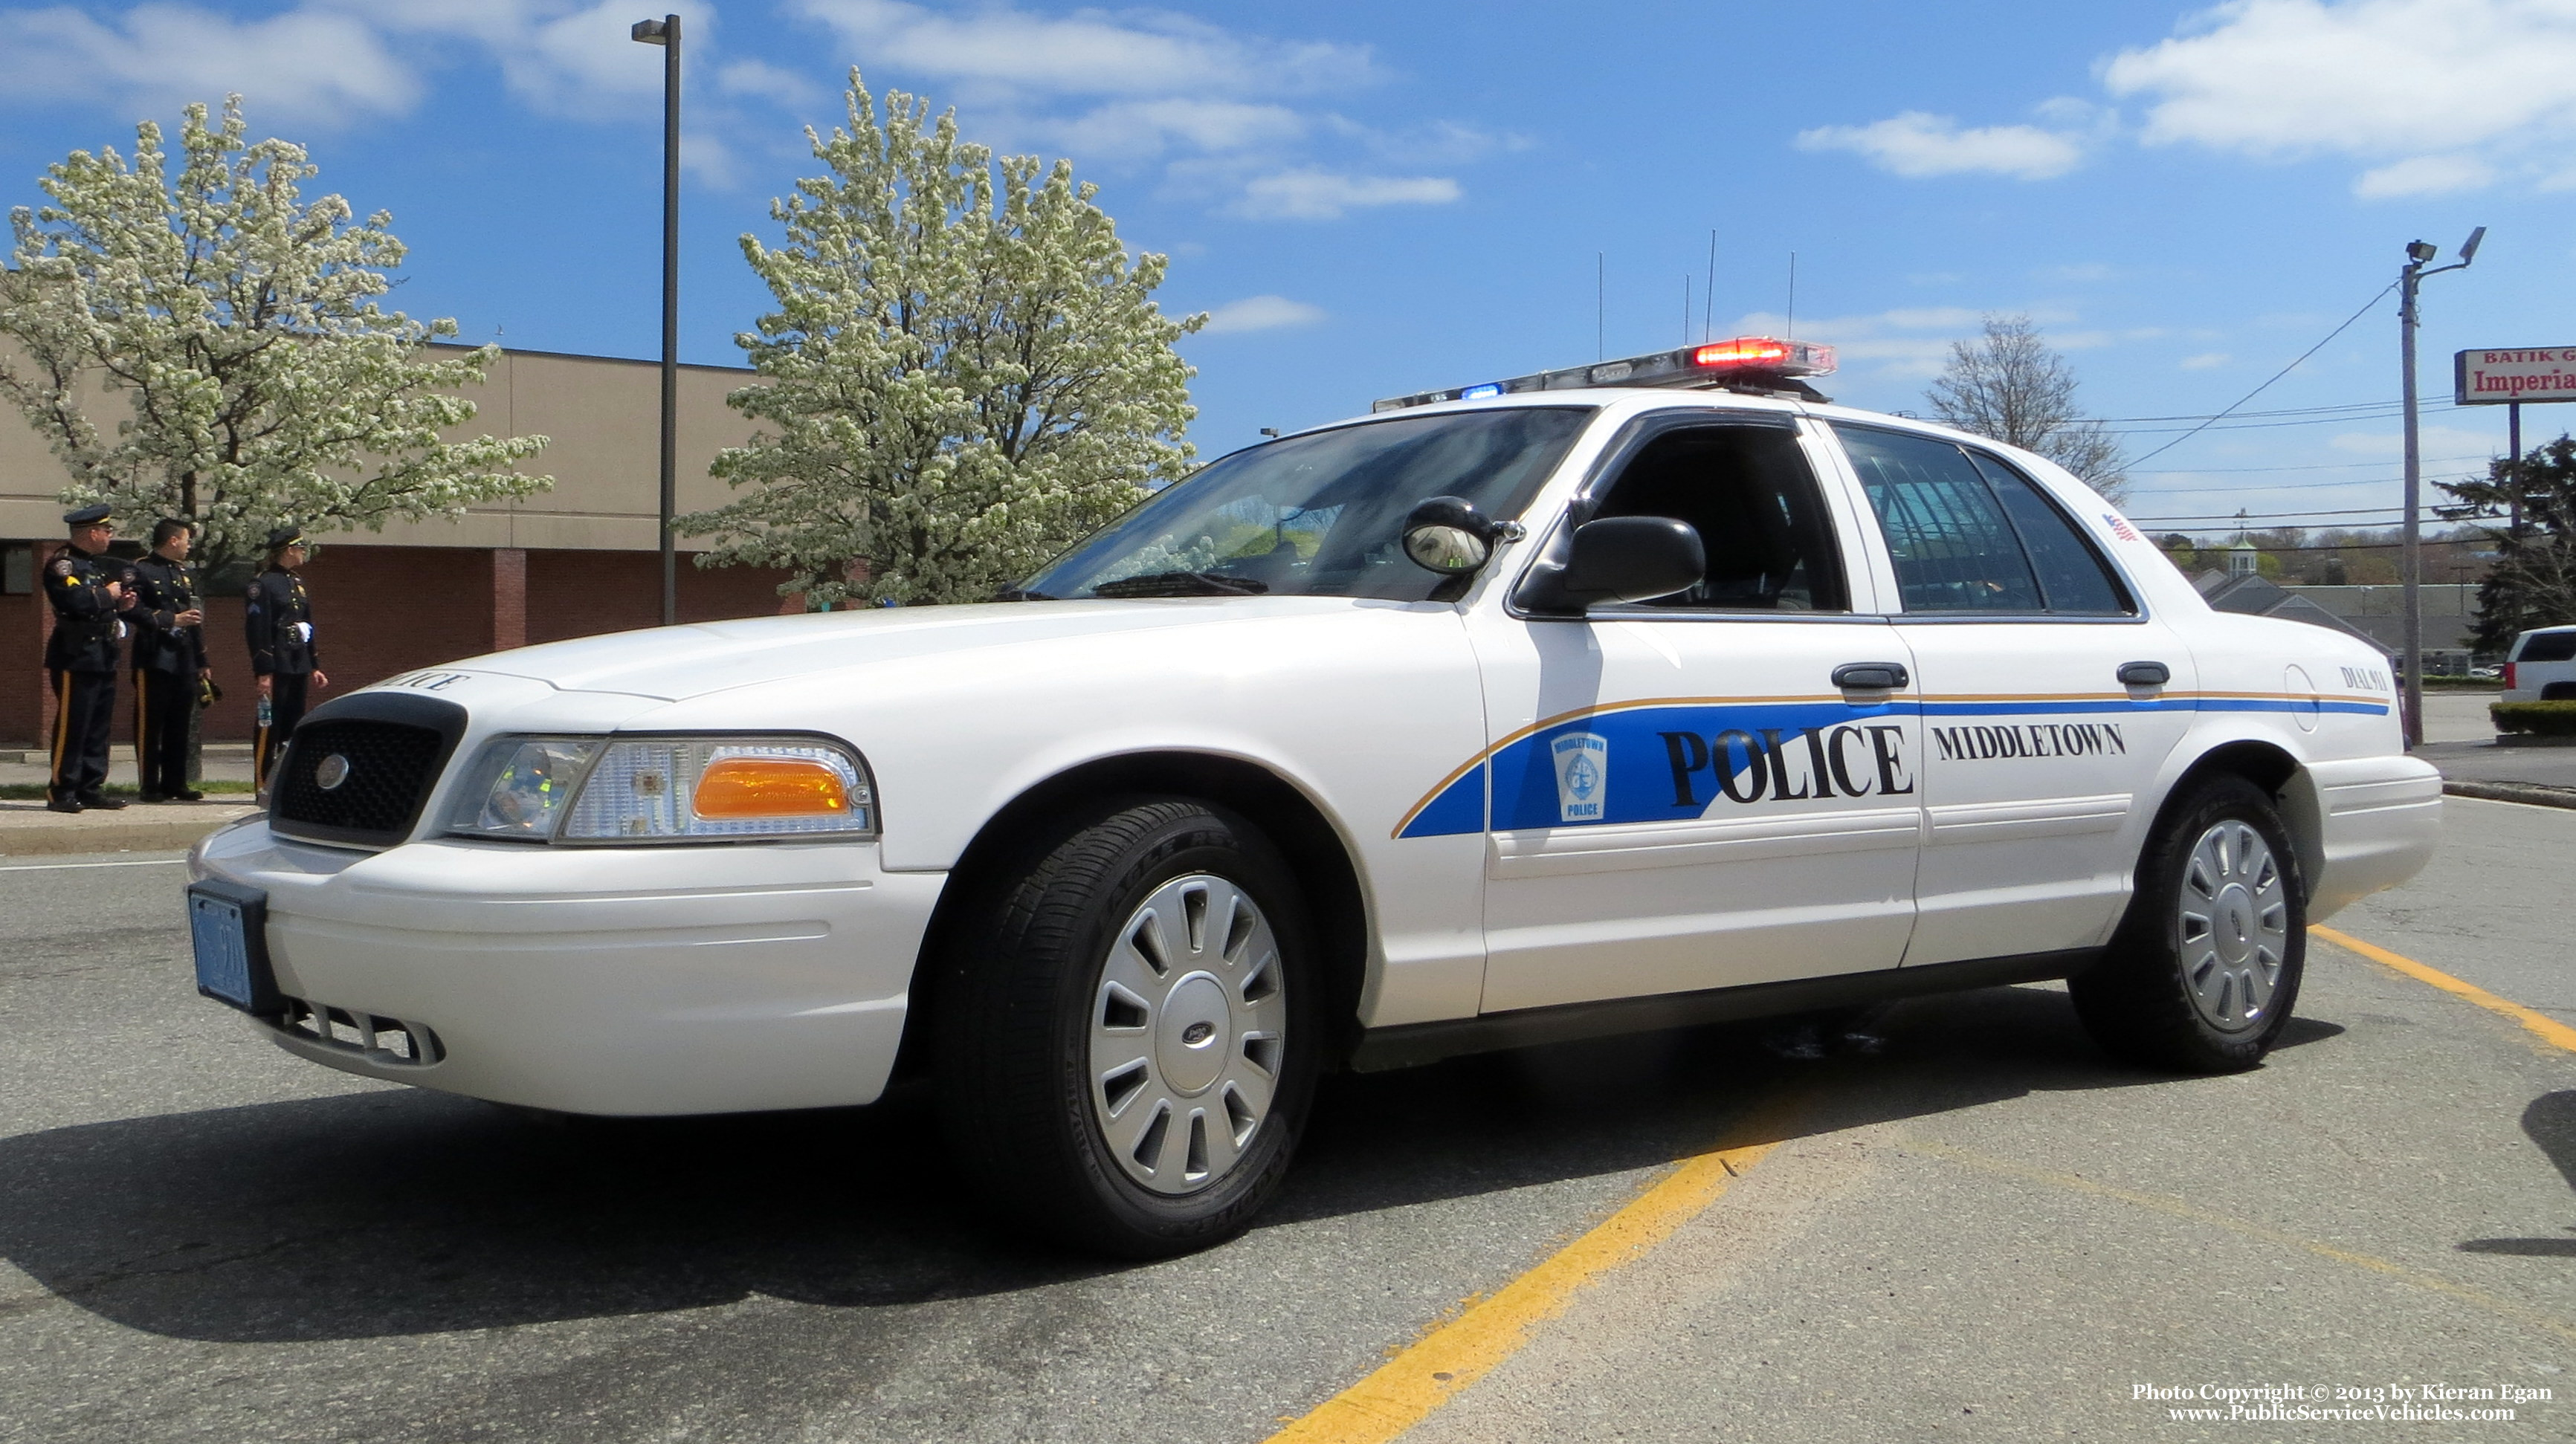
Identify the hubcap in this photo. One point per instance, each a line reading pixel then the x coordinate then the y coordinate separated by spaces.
pixel 2233 922
pixel 1188 1027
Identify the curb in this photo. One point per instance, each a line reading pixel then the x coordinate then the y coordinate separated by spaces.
pixel 2528 792
pixel 44 836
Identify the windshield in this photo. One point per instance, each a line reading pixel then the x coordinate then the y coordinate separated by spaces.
pixel 1319 515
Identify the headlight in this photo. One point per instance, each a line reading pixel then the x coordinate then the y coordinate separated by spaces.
pixel 665 789
pixel 521 787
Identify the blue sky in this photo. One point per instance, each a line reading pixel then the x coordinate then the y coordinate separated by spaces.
pixel 1375 199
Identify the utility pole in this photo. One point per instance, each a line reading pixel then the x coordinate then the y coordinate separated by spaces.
pixel 2410 552
pixel 665 32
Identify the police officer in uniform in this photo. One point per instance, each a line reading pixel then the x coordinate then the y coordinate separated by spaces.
pixel 91 593
pixel 169 664
pixel 279 620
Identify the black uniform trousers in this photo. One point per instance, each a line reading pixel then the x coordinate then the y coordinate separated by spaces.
pixel 84 716
pixel 162 704
pixel 286 692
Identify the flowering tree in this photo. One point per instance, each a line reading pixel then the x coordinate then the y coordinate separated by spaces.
pixel 965 372
pixel 235 328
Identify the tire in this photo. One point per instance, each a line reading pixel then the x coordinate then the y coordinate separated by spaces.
pixel 2204 971
pixel 1147 960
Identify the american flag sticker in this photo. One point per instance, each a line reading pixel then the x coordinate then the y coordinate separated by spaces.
pixel 2120 526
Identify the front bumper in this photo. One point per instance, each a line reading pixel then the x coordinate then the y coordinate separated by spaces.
pixel 656 980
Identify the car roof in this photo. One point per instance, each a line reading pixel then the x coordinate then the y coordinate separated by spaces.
pixel 1626 401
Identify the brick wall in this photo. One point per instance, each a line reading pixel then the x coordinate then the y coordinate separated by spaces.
pixel 383 610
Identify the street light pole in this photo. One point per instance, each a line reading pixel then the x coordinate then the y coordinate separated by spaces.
pixel 665 32
pixel 2410 552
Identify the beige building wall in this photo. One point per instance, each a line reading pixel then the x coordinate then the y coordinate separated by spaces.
pixel 601 414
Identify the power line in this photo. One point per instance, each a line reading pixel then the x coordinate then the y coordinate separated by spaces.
pixel 2270 515
pixel 2282 411
pixel 2317 466
pixel 2277 375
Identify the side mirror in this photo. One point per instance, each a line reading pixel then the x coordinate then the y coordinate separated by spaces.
pixel 1446 534
pixel 1619 559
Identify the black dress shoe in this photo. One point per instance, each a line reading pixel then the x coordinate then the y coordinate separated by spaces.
pixel 187 794
pixel 101 801
pixel 150 797
pixel 62 804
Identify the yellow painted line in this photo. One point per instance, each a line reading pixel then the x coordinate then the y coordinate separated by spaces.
pixel 2177 1208
pixel 2549 1029
pixel 1491 1329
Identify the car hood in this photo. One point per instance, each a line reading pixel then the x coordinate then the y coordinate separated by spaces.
pixel 675 663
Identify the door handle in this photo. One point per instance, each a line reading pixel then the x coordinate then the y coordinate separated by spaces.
pixel 1870 676
pixel 2145 674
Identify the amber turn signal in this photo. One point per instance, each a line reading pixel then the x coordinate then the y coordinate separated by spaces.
pixel 743 787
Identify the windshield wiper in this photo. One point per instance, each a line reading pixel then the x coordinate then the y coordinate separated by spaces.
pixel 1014 594
pixel 1181 584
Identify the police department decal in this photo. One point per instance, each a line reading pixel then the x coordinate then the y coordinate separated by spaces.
pixel 1582 775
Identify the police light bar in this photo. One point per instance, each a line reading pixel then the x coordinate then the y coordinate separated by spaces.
pixel 1746 363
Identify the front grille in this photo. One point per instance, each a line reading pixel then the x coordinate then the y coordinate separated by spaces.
pixel 382 771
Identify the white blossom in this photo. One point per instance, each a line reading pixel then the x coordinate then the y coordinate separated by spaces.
pixel 965 372
pixel 236 327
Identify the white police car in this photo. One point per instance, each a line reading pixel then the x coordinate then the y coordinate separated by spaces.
pixel 1641 694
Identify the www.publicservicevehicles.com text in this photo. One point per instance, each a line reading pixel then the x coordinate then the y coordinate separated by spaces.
pixel 2394 1403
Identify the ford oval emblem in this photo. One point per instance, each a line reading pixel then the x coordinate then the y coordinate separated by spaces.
pixel 333 771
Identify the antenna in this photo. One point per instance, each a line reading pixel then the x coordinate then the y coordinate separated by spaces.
pixel 2469 247
pixel 1793 296
pixel 1600 305
pixel 1708 299
pixel 1686 307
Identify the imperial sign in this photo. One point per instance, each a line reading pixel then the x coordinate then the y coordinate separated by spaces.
pixel 2533 373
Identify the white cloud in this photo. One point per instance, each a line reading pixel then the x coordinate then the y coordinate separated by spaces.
pixel 1260 313
pixel 1918 144
pixel 1132 128
pixel 2205 361
pixel 2425 175
pixel 1318 195
pixel 1228 115
pixel 1089 52
pixel 335 61
pixel 2445 88
pixel 761 80
pixel 306 65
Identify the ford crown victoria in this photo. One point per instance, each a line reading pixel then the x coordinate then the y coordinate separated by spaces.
pixel 1582 703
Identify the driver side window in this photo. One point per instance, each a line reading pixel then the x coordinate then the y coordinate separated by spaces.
pixel 1748 492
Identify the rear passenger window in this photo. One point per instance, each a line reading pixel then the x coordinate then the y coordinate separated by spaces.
pixel 2072 576
pixel 2548 647
pixel 1969 534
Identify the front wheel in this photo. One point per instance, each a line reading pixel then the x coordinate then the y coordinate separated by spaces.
pixel 2204 971
pixel 1127 1030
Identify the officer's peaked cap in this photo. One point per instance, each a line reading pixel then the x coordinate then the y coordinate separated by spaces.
pixel 284 537
pixel 89 515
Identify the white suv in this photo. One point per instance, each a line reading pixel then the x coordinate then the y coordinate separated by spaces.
pixel 1537 710
pixel 2542 666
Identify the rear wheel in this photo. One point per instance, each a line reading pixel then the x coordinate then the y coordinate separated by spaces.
pixel 1127 1030
pixel 2204 971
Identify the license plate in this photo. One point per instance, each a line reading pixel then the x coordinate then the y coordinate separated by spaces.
pixel 228 926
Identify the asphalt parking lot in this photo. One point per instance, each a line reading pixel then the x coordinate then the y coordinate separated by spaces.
pixel 1983 1229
